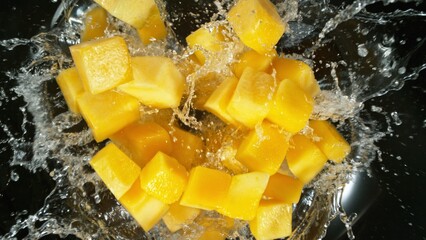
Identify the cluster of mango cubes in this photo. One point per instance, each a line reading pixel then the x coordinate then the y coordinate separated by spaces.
pixel 155 170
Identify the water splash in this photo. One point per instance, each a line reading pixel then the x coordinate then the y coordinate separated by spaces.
pixel 349 72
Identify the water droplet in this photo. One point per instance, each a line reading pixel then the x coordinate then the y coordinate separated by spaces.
pixel 402 70
pixel 396 119
pixel 14 176
pixel 362 50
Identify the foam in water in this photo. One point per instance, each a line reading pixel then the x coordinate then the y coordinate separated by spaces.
pixel 349 73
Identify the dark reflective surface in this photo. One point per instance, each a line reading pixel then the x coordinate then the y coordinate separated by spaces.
pixel 389 198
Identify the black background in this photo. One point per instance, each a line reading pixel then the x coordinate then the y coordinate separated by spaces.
pixel 389 203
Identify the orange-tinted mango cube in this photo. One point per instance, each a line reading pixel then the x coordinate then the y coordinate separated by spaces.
pixel 284 188
pixel 133 12
pixel 244 194
pixel 154 27
pixel 250 102
pixel 263 149
pixel 179 215
pixel 298 72
pixel 291 107
pixel 208 38
pixel 102 64
pixel 218 101
pixel 251 58
pixel 187 148
pixel 116 170
pixel 331 142
pixel 257 24
pixel 141 141
pixel 95 24
pixel 71 87
pixel 108 112
pixel 145 209
pixel 164 178
pixel 272 221
pixel 305 159
pixel 156 82
pixel 206 189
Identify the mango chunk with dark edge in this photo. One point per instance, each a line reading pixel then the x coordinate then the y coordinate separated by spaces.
pixel 116 170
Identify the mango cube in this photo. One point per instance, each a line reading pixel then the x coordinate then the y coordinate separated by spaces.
pixel 305 159
pixel 257 24
pixel 108 112
pixel 212 234
pixel 331 142
pixel 141 141
pixel 251 58
pixel 244 194
pixel 133 12
pixel 102 64
pixel 164 178
pixel 218 101
pixel 179 215
pixel 145 209
pixel 291 107
pixel 95 24
pixel 208 38
pixel 156 82
pixel 154 28
pixel 284 188
pixel 187 148
pixel 250 102
pixel 71 87
pixel 298 72
pixel 273 220
pixel 206 189
pixel 116 170
pixel 263 149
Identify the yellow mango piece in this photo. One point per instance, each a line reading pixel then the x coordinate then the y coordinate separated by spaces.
pixel 208 38
pixel 156 82
pixel 71 87
pixel 106 113
pixel 263 149
pixel 227 158
pixel 145 209
pixel 284 188
pixel 206 189
pixel 102 64
pixel 154 28
pixel 305 159
pixel 116 170
pixel 215 228
pixel 179 215
pixel 291 107
pixel 218 101
pixel 259 62
pixel 250 102
pixel 272 221
pixel 212 234
pixel 133 12
pixel 187 148
pixel 141 141
pixel 331 142
pixel 244 195
pixel 95 23
pixel 298 72
pixel 164 178
pixel 257 24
